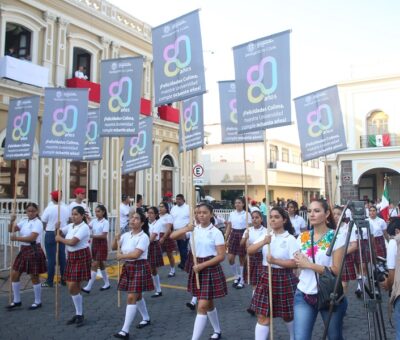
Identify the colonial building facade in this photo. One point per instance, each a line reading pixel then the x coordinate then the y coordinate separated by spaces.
pixel 50 40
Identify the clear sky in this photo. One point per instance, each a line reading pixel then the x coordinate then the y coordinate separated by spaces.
pixel 331 41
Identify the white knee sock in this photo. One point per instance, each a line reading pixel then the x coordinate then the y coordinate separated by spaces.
pixel 172 269
pixel 199 325
pixel 105 278
pixel 194 300
pixel 234 270
pixel 261 332
pixel 129 316
pixel 156 282
pixel 77 299
pixel 16 287
pixel 241 274
pixel 37 290
pixel 91 281
pixel 252 294
pixel 142 308
pixel 213 317
pixel 290 327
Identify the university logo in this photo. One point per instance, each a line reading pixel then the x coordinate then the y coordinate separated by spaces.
pixel 137 143
pixel 191 116
pixel 61 117
pixel 180 57
pixel 116 103
pixel 319 120
pixel 20 121
pixel 257 90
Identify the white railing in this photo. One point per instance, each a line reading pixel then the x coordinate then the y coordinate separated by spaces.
pixel 7 204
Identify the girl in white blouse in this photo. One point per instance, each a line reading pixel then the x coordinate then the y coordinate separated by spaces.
pixel 297 221
pixel 167 244
pixel 136 273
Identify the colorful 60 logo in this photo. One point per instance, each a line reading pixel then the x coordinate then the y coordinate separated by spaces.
pixel 233 111
pixel 137 143
pixel 173 64
pixel 60 117
pixel 191 116
pixel 316 118
pixel 91 132
pixel 18 132
pixel 257 90
pixel 115 103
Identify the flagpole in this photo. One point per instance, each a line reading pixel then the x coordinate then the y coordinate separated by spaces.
pixel 247 208
pixel 271 316
pixel 14 210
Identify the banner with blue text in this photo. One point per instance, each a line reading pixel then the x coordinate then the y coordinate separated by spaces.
pixel 193 124
pixel 94 143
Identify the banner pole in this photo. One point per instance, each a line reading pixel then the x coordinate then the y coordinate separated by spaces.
pixel 187 182
pixel 328 183
pixel 247 208
pixel 14 211
pixel 87 183
pixel 118 226
pixel 269 233
pixel 302 179
pixel 58 233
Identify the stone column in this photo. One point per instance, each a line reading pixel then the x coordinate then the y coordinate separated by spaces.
pixel 61 55
pixel 48 45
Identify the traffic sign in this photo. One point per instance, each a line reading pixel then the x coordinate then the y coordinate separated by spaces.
pixel 198 170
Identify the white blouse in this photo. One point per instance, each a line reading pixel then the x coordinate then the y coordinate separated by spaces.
pixel 99 226
pixel 156 228
pixel 238 219
pixel 81 232
pixel 129 242
pixel 255 234
pixel 27 227
pixel 206 240
pixel 164 220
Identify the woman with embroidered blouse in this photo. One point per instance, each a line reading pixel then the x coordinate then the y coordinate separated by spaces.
pixel 312 260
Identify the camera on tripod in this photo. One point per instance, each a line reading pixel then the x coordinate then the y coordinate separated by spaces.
pixel 381 270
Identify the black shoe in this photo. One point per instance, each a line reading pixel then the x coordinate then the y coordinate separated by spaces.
pixel 121 335
pixel 46 285
pixel 143 324
pixel 85 290
pixel 79 320
pixel 13 305
pixel 156 294
pixel 215 335
pixel 72 320
pixel 240 285
pixel 235 283
pixel 35 306
pixel 171 274
pixel 358 293
pixel 190 305
pixel 105 288
pixel 250 311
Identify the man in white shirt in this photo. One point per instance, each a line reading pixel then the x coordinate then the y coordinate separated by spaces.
pixel 49 219
pixel 181 216
pixel 80 194
pixel 80 74
pixel 124 213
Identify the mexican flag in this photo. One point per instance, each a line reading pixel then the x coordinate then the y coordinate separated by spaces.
pixel 379 140
pixel 385 203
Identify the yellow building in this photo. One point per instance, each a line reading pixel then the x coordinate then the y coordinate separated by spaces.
pixel 371 115
pixel 288 177
pixel 45 42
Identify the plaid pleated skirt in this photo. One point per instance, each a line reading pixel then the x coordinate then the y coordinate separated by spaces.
pixel 380 246
pixel 78 266
pixel 155 255
pixel 284 284
pixel 169 245
pixel 349 269
pixel 189 262
pixel 136 277
pixel 30 260
pixel 212 282
pixel 234 246
pixel 364 251
pixel 256 269
pixel 99 249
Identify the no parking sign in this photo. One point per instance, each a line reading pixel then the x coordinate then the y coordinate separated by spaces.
pixel 198 172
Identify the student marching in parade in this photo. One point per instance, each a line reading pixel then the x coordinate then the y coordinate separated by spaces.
pixel 250 236
pixel 167 244
pixel 49 219
pixel 378 230
pixel 79 194
pixel 155 252
pixel 100 228
pixel 210 252
pixel 236 227
pixel 349 269
pixel 30 259
pixel 189 261
pixel 297 221
pixel 77 235
pixel 312 260
pixel 136 273
pixel 283 247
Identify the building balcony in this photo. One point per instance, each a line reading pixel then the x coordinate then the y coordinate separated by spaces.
pixel 95 90
pixel 169 113
pixel 378 141
pixel 24 71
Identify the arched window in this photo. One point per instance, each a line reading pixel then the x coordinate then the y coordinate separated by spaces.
pixel 78 176
pixel 167 175
pixel 377 123
pixel 18 41
pixel 82 58
pixel 168 161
